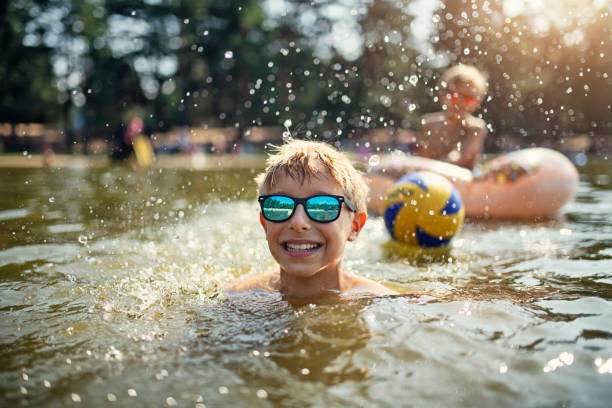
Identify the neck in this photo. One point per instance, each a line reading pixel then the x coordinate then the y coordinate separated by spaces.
pixel 324 281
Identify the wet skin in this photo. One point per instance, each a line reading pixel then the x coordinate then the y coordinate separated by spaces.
pixel 309 253
pixel 454 135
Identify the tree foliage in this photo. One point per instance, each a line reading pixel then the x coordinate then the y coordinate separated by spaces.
pixel 548 78
pixel 27 85
pixel 89 65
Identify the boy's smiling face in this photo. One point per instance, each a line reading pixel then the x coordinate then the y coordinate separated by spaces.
pixel 302 247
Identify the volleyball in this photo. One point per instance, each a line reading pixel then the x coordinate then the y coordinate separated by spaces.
pixel 423 209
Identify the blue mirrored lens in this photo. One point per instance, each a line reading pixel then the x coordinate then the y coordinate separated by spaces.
pixel 278 208
pixel 323 208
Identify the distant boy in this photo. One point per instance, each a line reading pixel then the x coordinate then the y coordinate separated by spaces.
pixel 313 202
pixel 455 135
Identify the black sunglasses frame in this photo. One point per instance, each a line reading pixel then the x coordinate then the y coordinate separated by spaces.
pixel 296 201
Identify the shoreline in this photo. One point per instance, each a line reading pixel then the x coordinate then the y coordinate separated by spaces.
pixel 199 161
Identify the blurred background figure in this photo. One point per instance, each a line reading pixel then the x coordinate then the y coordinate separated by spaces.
pixel 48 155
pixel 141 145
pixel 455 135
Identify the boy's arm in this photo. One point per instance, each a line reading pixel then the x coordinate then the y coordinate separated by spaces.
pixel 265 281
pixel 373 287
pixel 425 134
pixel 472 145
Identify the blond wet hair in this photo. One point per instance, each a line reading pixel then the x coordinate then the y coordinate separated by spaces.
pixel 302 159
pixel 467 75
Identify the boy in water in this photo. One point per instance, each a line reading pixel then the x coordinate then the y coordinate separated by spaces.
pixel 455 135
pixel 313 202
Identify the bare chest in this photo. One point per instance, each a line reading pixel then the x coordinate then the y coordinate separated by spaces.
pixel 443 136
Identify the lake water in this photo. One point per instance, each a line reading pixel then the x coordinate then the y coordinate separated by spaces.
pixel 110 296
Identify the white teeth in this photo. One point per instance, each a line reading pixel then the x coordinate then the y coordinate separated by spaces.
pixel 301 247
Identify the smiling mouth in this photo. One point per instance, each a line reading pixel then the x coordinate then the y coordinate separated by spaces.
pixel 301 249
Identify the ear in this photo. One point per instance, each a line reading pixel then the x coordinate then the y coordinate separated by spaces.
pixel 263 221
pixel 357 224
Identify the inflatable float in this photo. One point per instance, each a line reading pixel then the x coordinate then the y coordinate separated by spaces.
pixel 525 184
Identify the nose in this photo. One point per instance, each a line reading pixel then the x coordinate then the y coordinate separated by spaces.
pixel 299 221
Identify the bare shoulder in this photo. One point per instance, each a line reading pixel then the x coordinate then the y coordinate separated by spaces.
pixel 373 288
pixel 268 281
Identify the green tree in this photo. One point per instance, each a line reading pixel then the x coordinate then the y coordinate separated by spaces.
pixel 27 90
pixel 547 80
pixel 393 72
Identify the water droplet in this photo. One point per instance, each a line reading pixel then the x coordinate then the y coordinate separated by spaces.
pixel 413 80
pixel 566 358
pixel 374 160
pixel 261 394
pixel 51 199
pixel 115 355
pixel 83 239
pixel 228 54
pixel 223 390
pixel 603 367
pixel 580 159
pixel 385 101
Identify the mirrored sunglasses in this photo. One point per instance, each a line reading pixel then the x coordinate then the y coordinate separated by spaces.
pixel 319 208
pixel 467 99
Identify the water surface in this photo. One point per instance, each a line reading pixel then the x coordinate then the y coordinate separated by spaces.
pixel 110 294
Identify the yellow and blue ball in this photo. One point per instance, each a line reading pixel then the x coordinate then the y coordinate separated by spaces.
pixel 423 209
